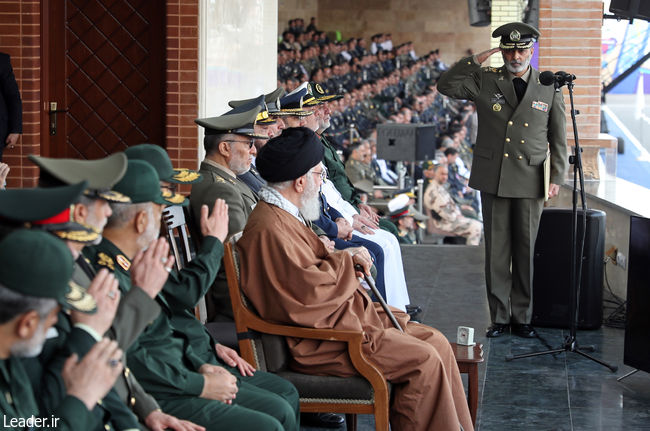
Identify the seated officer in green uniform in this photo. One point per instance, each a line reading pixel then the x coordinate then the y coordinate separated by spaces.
pixel 229 149
pixel 187 378
pixel 137 308
pixel 35 271
pixel 52 209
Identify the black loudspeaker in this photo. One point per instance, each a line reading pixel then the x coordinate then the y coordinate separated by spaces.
pixel 631 9
pixel 406 142
pixel 637 325
pixel 479 12
pixel 552 273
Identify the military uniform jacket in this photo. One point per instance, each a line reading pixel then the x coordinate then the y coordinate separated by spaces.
pixel 217 183
pixel 513 137
pixel 134 313
pixel 17 401
pixel 167 356
pixel 336 174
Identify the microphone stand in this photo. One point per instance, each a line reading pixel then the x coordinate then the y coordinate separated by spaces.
pixel 571 342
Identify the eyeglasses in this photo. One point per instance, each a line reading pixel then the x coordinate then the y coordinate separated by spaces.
pixel 322 174
pixel 250 143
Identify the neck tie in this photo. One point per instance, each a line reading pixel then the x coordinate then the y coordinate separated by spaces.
pixel 520 87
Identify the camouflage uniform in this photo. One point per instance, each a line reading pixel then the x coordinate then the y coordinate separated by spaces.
pixel 447 216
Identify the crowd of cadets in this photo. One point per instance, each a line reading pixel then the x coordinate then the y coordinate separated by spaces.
pixel 381 83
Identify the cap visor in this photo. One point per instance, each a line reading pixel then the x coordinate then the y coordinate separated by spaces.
pixel 110 196
pixel 73 231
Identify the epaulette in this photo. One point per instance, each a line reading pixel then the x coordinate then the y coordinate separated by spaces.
pixel 105 260
pixel 491 69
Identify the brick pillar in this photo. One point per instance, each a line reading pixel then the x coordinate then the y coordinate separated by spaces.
pixel 182 83
pixel 503 12
pixel 571 41
pixel 20 38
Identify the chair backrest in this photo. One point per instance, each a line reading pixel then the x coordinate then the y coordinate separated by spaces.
pixel 181 243
pixel 268 352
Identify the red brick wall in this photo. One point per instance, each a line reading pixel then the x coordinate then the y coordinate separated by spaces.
pixel 571 41
pixel 20 38
pixel 182 82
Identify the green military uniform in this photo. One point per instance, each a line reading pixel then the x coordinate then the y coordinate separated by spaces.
pixel 358 171
pixel 219 184
pixel 511 147
pixel 36 264
pixel 169 370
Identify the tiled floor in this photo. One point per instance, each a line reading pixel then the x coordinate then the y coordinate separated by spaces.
pixel 561 392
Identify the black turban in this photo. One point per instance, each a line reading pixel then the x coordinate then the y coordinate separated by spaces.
pixel 290 155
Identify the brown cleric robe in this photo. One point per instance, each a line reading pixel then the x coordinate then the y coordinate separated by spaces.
pixel 291 278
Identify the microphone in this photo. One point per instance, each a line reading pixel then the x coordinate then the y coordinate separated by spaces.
pixel 559 78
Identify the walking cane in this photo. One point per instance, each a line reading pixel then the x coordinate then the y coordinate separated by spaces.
pixel 373 288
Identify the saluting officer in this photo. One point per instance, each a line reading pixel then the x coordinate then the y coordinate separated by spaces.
pixel 521 128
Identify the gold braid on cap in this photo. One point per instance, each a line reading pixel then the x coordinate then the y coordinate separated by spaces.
pixel 185 175
pixel 79 298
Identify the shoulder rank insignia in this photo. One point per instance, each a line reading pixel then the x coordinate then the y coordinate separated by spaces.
pixel 123 262
pixel 105 260
pixel 491 69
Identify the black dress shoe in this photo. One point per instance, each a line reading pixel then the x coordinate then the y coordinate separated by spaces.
pixel 497 329
pixel 523 330
pixel 322 420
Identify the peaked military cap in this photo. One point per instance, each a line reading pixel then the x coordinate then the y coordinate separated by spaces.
pixel 272 101
pixel 240 124
pixel 319 94
pixel 364 186
pixel 159 159
pixel 101 174
pixel 516 35
pixel 262 116
pixel 37 264
pixel 292 103
pixel 142 184
pixel 50 209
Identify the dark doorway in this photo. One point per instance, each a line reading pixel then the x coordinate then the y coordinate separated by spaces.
pixel 104 68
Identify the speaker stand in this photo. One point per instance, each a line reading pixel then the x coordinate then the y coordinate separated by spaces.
pixel 571 342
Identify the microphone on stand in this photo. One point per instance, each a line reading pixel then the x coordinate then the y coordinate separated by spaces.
pixel 558 79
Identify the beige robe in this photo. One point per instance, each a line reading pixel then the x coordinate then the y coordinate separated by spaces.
pixel 291 279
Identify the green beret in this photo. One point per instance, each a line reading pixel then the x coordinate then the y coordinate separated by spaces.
pixel 101 174
pixel 516 35
pixel 37 264
pixel 159 159
pixel 290 155
pixel 142 184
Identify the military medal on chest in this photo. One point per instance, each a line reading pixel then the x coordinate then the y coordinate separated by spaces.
pixel 496 107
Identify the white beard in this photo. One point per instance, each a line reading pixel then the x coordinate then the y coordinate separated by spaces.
pixel 310 201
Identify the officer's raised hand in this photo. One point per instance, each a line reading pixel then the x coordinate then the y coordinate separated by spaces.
pixel 481 57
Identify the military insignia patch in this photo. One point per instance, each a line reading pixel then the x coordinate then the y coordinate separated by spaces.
pixel 496 107
pixel 123 262
pixel 105 260
pixel 515 36
pixel 491 69
pixel 498 98
pixel 540 106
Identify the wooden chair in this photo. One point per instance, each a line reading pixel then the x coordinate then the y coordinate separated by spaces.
pixel 263 344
